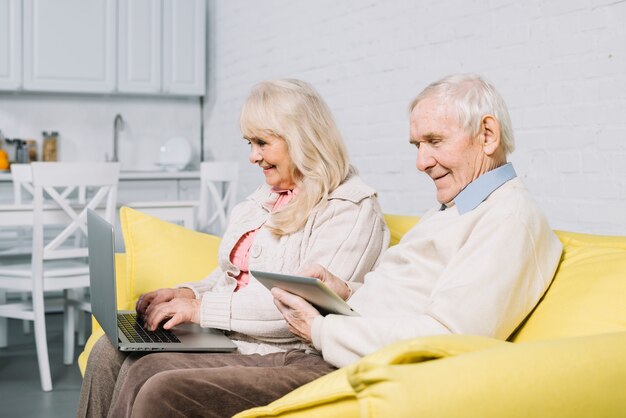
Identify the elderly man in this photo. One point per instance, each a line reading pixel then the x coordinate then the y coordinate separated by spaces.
pixel 475 264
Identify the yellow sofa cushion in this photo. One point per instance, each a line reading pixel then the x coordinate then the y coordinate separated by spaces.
pixel 588 291
pixel 335 394
pixel 162 254
pixel 463 376
pixel 399 225
pixel 158 254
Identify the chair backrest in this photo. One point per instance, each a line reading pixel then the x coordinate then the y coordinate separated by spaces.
pixel 18 241
pixel 51 205
pixel 218 191
pixel 22 177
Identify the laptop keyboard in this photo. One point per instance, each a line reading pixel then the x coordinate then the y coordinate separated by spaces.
pixel 136 333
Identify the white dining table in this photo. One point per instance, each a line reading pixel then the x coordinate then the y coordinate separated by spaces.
pixel 22 215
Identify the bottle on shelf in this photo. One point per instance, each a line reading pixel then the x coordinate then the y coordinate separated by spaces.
pixel 21 151
pixel 31 146
pixel 49 148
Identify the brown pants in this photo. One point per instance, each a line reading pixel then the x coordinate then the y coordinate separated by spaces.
pixel 106 371
pixel 202 384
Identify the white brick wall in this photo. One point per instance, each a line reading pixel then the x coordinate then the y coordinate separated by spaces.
pixel 560 65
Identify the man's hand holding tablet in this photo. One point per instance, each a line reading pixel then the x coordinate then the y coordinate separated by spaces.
pixel 328 299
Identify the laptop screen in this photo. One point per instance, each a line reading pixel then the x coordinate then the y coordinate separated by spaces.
pixel 101 242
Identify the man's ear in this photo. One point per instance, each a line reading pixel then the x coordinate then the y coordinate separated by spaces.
pixel 490 134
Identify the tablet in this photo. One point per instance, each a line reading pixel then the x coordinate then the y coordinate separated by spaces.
pixel 313 290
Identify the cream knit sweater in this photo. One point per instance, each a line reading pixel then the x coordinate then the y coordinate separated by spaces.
pixel 347 236
pixel 479 273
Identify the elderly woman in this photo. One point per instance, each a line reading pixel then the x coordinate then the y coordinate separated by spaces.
pixel 312 207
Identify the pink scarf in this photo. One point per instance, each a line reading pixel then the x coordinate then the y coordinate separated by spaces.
pixel 241 251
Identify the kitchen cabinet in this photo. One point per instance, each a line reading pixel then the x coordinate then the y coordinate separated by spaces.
pixel 103 46
pixel 161 47
pixel 189 190
pixel 184 39
pixel 158 190
pixel 10 44
pixel 137 186
pixel 139 46
pixel 69 45
pixel 147 190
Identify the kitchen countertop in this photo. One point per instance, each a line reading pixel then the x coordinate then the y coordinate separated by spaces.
pixel 5 176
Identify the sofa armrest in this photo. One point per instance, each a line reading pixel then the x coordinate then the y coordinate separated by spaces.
pixel 336 395
pixel 574 377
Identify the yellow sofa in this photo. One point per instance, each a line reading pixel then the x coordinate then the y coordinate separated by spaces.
pixel 568 359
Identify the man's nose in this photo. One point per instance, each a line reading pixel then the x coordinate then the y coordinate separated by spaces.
pixel 424 159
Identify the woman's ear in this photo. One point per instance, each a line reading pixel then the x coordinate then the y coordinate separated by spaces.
pixel 490 132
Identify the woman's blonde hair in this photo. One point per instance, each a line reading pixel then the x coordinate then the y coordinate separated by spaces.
pixel 294 111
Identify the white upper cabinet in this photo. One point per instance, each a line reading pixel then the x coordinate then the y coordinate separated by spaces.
pixel 103 46
pixel 161 46
pixel 10 44
pixel 139 46
pixel 69 45
pixel 184 46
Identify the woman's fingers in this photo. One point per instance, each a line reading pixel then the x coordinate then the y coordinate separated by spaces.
pixel 160 296
pixel 172 313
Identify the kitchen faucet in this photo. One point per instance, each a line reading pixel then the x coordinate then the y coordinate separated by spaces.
pixel 118 125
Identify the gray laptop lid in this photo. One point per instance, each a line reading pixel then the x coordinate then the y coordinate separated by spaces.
pixel 101 269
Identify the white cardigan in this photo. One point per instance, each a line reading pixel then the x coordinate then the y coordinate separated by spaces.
pixel 479 273
pixel 347 236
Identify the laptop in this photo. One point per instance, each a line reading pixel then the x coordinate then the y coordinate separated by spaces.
pixel 123 328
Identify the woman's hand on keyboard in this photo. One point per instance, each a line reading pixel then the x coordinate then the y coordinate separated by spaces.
pixel 160 296
pixel 171 313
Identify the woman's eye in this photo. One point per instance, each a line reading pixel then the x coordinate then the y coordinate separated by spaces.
pixel 261 143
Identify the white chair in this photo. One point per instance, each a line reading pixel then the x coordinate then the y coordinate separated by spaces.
pixel 57 264
pixel 22 178
pixel 216 203
pixel 22 183
pixel 218 191
pixel 17 241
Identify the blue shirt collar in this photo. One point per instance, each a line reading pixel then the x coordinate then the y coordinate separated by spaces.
pixel 477 191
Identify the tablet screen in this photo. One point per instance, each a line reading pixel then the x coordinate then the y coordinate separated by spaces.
pixel 313 290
